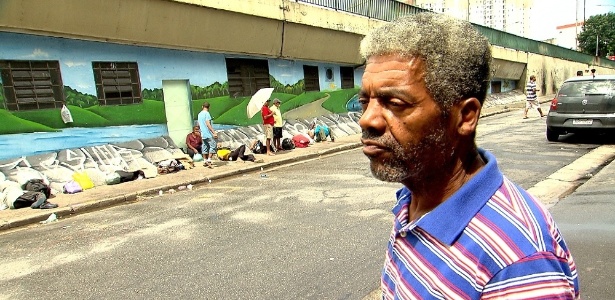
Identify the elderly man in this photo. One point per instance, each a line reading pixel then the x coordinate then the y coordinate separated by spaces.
pixel 462 230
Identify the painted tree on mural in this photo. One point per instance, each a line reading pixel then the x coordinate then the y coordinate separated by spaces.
pixel 598 32
pixel 215 89
pixel 1 96
pixel 152 94
pixel 77 98
pixel 294 89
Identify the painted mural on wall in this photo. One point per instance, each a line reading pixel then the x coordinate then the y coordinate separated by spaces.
pixel 144 155
pixel 206 72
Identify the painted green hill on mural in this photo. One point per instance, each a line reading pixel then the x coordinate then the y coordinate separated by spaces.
pixel 12 124
pixel 225 110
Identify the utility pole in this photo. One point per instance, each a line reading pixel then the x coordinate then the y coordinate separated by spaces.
pixel 576 25
pixel 468 15
pixel 596 45
pixel 584 1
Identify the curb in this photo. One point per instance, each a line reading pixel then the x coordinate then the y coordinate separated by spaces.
pixel 79 208
pixel 572 176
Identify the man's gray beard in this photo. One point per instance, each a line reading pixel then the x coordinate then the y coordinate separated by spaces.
pixel 413 164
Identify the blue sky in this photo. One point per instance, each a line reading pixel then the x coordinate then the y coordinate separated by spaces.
pixel 548 14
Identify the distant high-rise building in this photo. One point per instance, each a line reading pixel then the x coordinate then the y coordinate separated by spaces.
pixel 512 16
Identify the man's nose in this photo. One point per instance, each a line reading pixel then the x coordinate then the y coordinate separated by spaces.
pixel 372 117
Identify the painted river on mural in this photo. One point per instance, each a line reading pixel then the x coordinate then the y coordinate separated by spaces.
pixel 27 144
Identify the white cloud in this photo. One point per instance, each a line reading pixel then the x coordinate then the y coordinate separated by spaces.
pixel 71 64
pixel 37 53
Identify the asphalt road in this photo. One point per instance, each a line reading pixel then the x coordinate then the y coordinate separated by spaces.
pixel 312 230
pixel 587 222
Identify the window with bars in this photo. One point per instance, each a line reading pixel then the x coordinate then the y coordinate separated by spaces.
pixel 246 76
pixel 347 75
pixel 311 79
pixel 30 85
pixel 117 83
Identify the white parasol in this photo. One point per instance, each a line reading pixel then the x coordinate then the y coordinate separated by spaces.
pixel 257 101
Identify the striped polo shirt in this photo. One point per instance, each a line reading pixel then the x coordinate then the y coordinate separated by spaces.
pixel 490 240
pixel 530 91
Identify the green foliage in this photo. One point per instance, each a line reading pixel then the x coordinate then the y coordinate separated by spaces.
pixel 152 94
pixel 214 90
pixel 76 98
pixel 294 89
pixel 602 27
pixel 12 124
pixel 1 96
pixel 148 112
pixel 338 100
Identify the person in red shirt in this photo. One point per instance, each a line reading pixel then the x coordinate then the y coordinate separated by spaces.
pixel 194 141
pixel 268 122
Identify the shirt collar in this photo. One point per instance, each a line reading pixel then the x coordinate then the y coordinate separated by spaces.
pixel 448 220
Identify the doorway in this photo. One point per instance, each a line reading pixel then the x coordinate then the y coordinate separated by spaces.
pixel 178 110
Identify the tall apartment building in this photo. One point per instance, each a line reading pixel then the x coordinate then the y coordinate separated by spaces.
pixel 512 16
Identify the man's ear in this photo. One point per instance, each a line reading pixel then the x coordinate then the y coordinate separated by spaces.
pixel 468 111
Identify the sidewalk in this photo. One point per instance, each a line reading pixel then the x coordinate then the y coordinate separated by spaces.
pixel 110 195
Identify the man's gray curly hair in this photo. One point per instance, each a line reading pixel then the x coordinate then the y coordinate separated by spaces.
pixel 457 57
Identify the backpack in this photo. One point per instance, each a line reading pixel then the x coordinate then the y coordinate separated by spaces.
pixel 259 148
pixel 287 144
pixel 37 185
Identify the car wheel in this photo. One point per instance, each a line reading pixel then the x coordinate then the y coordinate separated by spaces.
pixel 552 136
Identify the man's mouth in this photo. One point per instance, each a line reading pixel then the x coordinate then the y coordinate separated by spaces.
pixel 372 148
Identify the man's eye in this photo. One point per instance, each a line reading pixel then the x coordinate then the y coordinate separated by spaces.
pixel 363 101
pixel 396 102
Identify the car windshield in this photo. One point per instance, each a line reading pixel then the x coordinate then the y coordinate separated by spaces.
pixel 582 88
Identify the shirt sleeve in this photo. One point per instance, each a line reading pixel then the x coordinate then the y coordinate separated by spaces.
pixel 539 276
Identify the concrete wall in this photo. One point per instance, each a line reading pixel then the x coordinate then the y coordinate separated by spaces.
pixel 280 29
pixel 550 71
pixel 269 28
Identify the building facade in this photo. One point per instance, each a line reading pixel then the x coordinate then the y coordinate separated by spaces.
pixel 512 16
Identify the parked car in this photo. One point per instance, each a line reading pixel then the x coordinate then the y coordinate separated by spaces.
pixel 583 104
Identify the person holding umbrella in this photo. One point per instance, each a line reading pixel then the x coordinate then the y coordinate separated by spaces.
pixel 268 122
